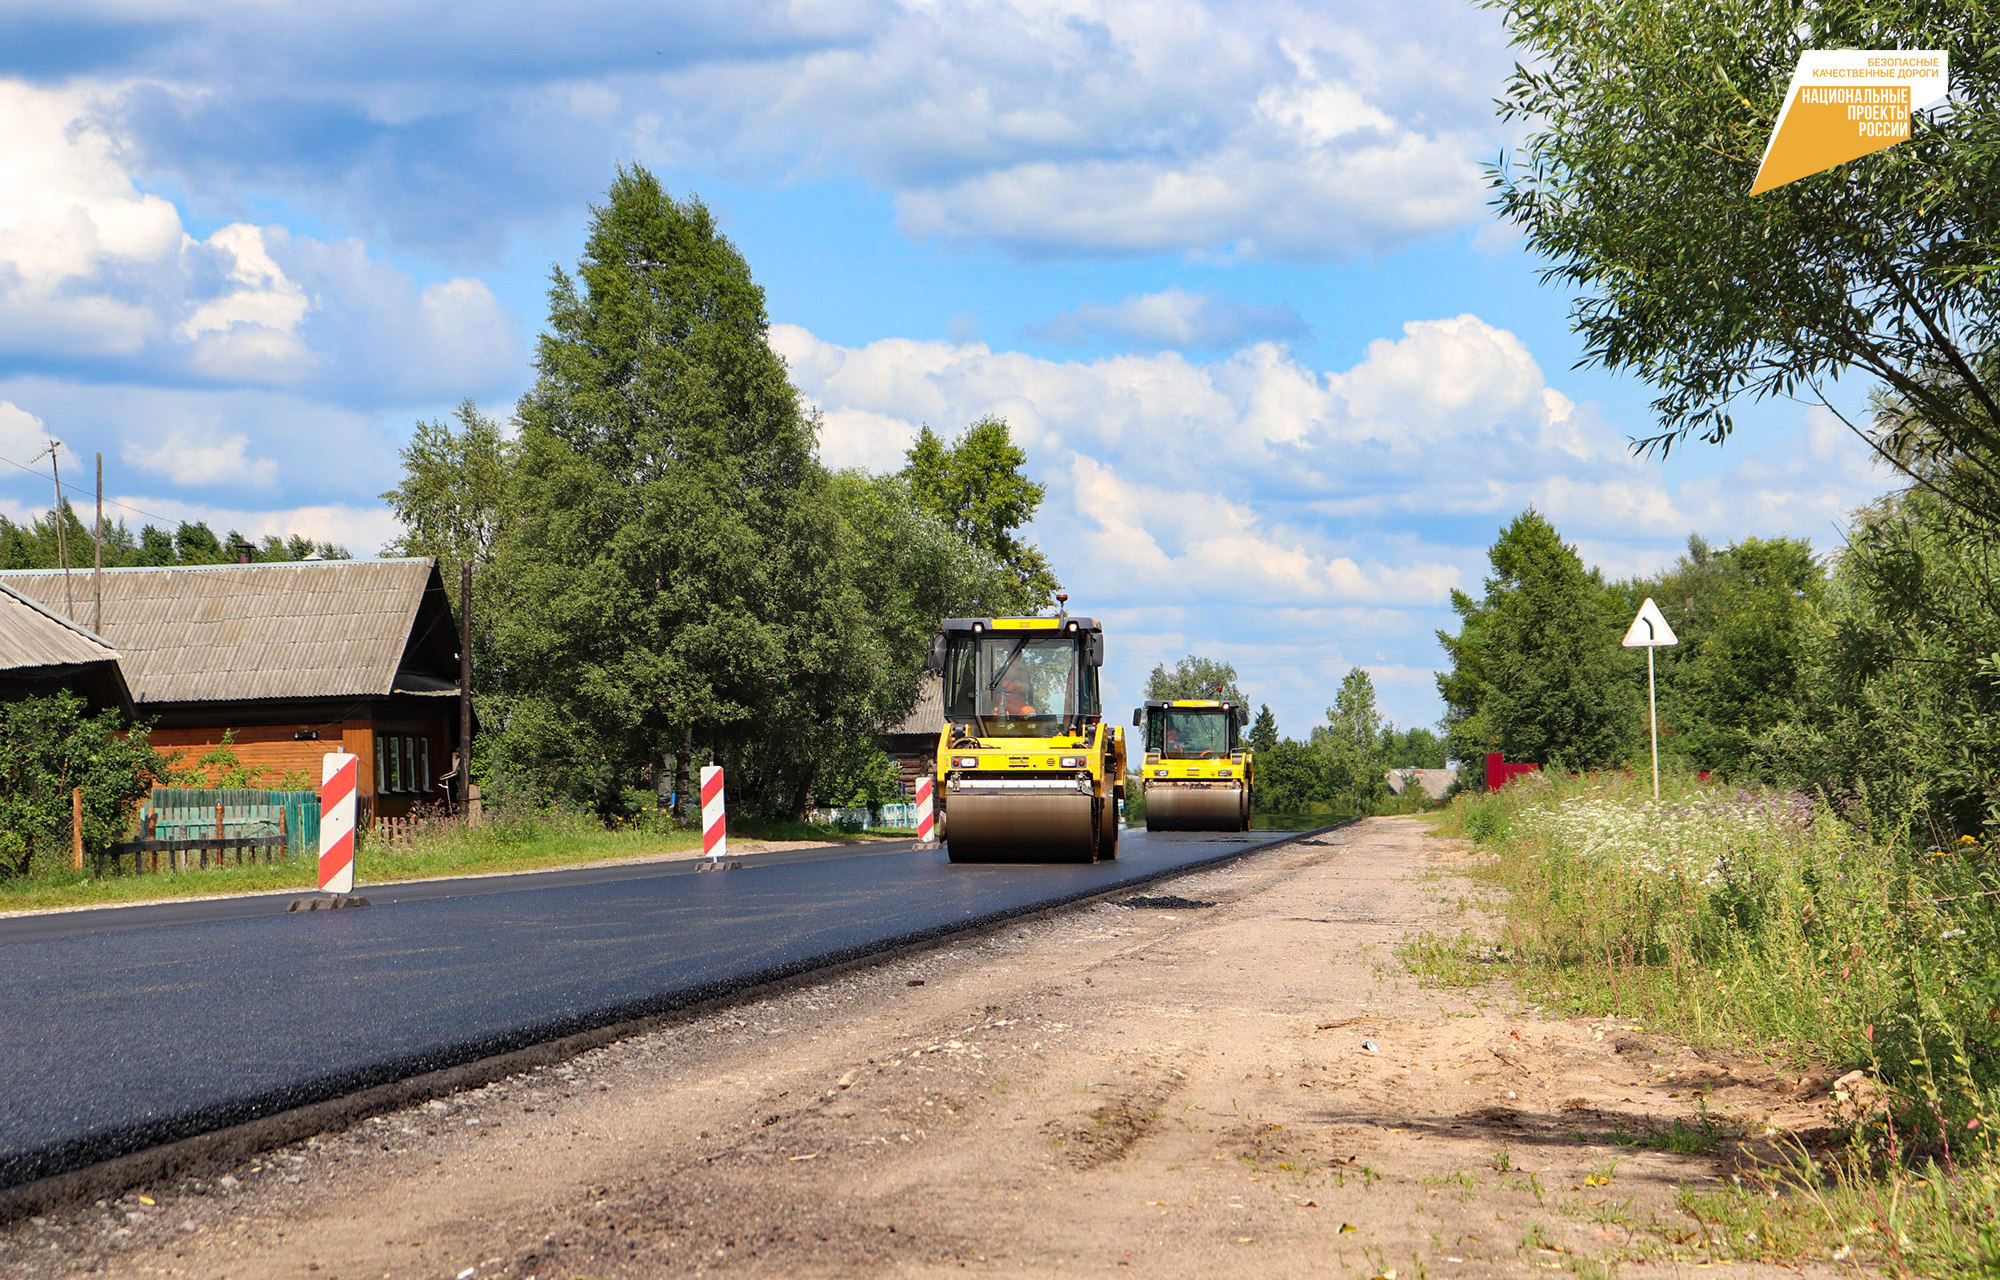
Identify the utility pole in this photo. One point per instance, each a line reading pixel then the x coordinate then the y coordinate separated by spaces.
pixel 465 689
pixel 62 525
pixel 97 556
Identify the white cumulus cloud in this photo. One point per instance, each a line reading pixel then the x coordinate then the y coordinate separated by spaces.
pixel 188 458
pixel 1325 515
pixel 92 268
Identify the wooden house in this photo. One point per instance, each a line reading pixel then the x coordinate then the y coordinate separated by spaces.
pixel 293 660
pixel 913 743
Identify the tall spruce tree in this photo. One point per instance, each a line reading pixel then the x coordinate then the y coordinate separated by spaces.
pixel 1264 730
pixel 673 575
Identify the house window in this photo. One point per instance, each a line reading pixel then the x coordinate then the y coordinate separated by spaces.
pixel 402 763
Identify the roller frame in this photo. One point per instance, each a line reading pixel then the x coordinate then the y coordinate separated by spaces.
pixel 1186 808
pixel 1021 825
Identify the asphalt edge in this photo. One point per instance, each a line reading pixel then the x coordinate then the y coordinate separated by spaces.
pixel 209 1139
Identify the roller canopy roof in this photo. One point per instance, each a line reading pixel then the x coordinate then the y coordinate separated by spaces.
pixel 1020 624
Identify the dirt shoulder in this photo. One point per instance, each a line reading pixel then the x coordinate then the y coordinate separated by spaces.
pixel 1242 1078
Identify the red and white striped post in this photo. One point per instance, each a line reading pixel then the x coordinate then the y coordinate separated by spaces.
pixel 340 777
pixel 714 819
pixel 926 815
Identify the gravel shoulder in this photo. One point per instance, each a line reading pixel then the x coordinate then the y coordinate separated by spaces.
pixel 1233 1073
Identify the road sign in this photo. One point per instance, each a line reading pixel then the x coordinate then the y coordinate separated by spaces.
pixel 1649 628
pixel 714 826
pixel 926 814
pixel 340 775
pixel 1649 631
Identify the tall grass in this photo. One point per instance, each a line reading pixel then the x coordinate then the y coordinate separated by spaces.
pixel 1757 919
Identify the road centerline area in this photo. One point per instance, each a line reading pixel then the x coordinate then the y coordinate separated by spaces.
pixel 117 1039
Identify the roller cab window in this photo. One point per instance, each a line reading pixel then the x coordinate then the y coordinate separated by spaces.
pixel 1190 733
pixel 1020 685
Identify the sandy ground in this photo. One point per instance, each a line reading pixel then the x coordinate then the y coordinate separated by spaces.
pixel 1241 1078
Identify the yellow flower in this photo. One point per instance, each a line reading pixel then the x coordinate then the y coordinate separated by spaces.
pixel 1967 840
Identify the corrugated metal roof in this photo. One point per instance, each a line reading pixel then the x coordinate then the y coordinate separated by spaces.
pixel 305 629
pixel 33 635
pixel 927 717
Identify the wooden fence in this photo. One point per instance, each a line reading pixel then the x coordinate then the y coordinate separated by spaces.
pixel 191 826
pixel 182 827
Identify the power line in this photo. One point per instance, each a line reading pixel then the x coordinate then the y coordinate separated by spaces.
pixel 150 515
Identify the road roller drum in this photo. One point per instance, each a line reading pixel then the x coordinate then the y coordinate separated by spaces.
pixel 1016 826
pixel 1194 808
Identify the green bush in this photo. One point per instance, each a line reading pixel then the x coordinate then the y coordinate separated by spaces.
pixel 48 746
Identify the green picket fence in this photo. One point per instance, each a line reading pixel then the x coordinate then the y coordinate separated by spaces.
pixel 201 813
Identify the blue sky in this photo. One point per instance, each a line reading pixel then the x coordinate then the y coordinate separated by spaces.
pixel 1228 270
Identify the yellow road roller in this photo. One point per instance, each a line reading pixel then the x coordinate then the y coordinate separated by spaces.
pixel 1027 769
pixel 1196 775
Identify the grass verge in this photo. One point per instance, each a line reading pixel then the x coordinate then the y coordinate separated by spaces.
pixel 539 844
pixel 1757 921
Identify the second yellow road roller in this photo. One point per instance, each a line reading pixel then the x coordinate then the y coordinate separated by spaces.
pixel 1196 775
pixel 1027 769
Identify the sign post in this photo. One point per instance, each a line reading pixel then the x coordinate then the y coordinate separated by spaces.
pixel 340 778
pixel 1649 631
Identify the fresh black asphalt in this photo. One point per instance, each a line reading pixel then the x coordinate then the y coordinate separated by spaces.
pixel 123 1028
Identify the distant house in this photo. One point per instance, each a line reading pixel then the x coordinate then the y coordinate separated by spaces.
pixel 297 659
pixel 913 743
pixel 41 651
pixel 1435 782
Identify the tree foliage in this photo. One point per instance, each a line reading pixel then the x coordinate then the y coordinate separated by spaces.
pixel 1875 685
pixel 452 501
pixel 1897 702
pixel 976 485
pixel 33 544
pixel 1537 670
pixel 1296 777
pixel 1194 677
pixel 665 574
pixel 1646 127
pixel 1743 617
pixel 676 577
pixel 1412 748
pixel 1354 720
pixel 48 746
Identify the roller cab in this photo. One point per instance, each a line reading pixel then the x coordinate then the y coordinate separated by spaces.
pixel 1196 775
pixel 1027 769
